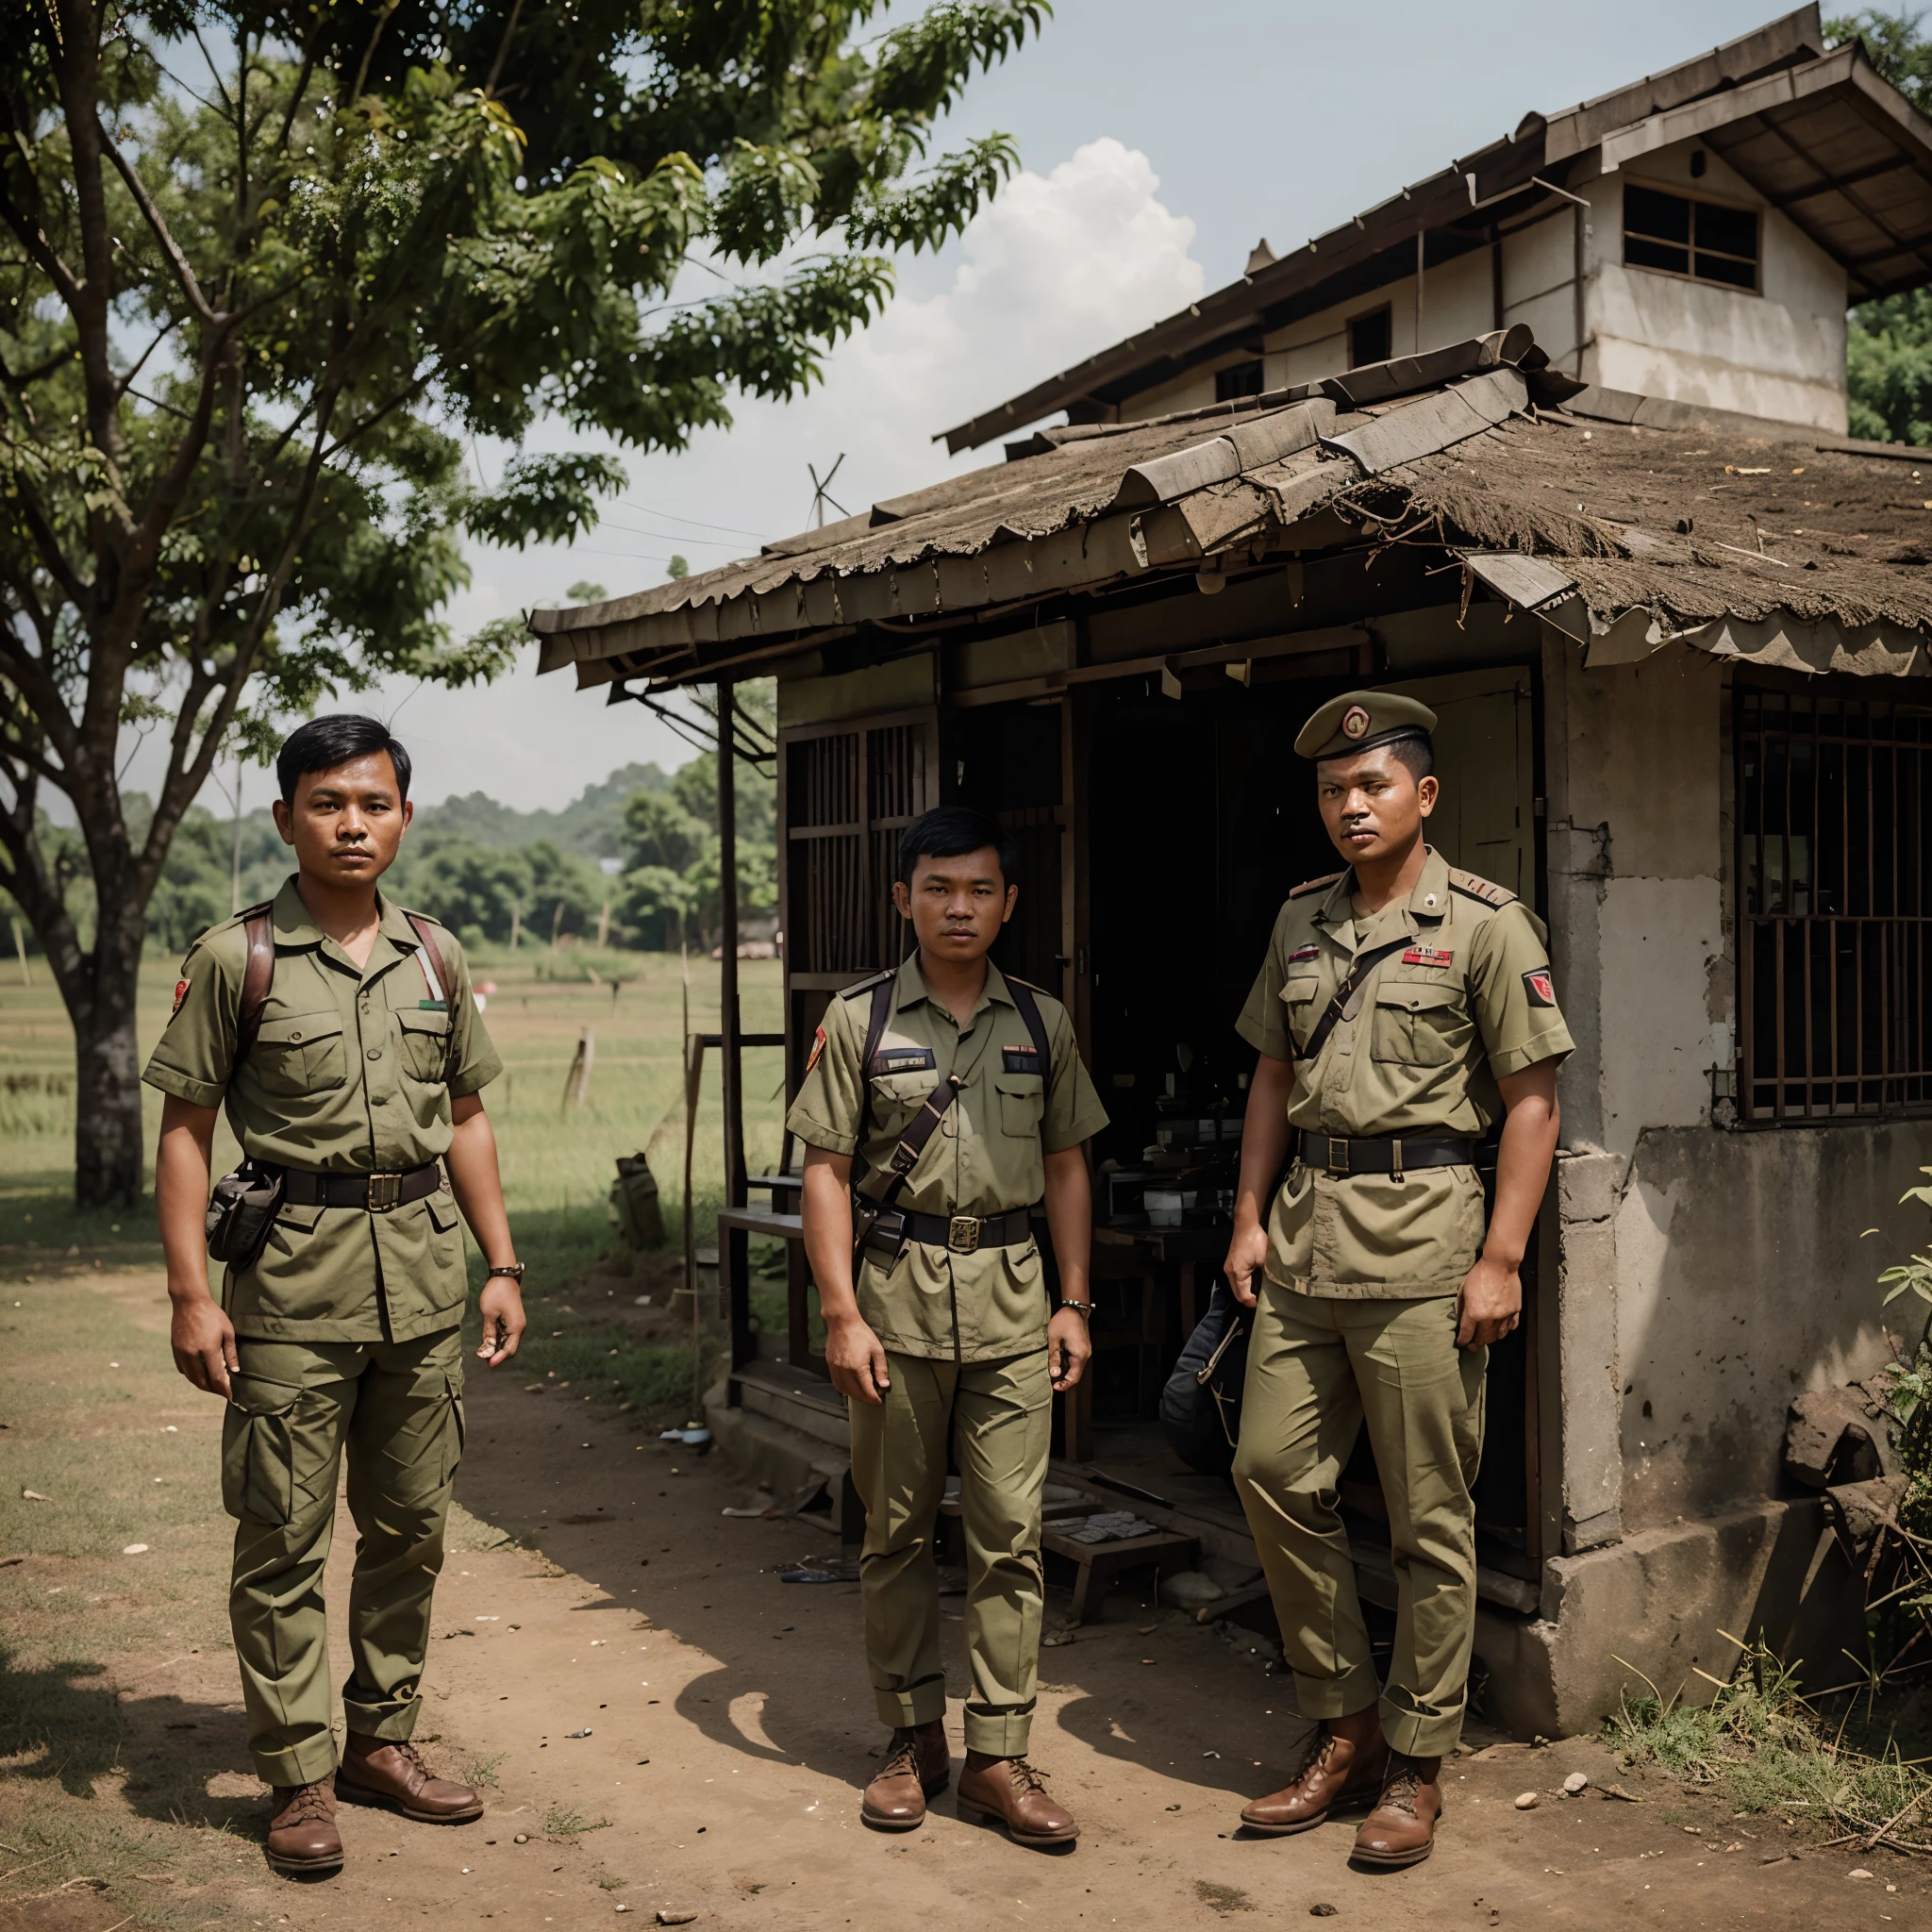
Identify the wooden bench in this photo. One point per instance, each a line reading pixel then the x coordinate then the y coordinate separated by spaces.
pixel 1100 1563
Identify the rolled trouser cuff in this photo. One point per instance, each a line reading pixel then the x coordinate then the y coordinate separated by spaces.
pixel 372 1715
pixel 999 1733
pixel 1417 1735
pixel 307 1763
pixel 1323 1699
pixel 920 1703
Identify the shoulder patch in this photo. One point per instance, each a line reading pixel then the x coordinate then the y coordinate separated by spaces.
pixel 852 993
pixel 1320 885
pixel 1486 890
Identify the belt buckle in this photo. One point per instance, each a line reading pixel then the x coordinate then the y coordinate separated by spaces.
pixel 1337 1158
pixel 385 1192
pixel 962 1234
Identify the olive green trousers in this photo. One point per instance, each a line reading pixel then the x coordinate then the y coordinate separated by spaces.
pixel 999 1416
pixel 396 1410
pixel 1317 1370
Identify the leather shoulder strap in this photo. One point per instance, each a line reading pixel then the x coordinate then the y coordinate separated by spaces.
pixel 445 977
pixel 257 975
pixel 1036 1023
pixel 1331 1013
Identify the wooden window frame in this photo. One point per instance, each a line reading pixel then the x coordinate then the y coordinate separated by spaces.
pixel 1689 246
pixel 1348 329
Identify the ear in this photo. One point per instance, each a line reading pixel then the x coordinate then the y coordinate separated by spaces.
pixel 408 813
pixel 1426 793
pixel 902 898
pixel 285 821
pixel 1013 900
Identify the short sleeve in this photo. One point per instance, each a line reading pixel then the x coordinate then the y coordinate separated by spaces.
pixel 830 1098
pixel 195 1055
pixel 1074 1112
pixel 473 1056
pixel 1264 1022
pixel 1514 993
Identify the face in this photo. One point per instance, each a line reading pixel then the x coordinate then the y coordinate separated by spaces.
pixel 1372 804
pixel 956 905
pixel 346 821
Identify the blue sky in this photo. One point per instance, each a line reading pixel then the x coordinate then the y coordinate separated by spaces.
pixel 1159 143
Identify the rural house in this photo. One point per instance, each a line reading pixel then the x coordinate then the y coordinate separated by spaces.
pixel 1554 441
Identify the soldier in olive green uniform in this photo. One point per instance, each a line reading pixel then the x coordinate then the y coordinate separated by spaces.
pixel 1392 1031
pixel 345 1326
pixel 960 1312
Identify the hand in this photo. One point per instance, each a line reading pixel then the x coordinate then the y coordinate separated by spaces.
pixel 1246 1251
pixel 203 1339
pixel 1069 1348
pixel 502 1303
pixel 856 1361
pixel 1490 1304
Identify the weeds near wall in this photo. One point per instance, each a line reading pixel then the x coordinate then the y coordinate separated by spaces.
pixel 1769 1749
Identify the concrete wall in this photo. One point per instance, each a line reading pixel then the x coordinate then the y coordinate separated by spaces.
pixel 1705 1274
pixel 1779 354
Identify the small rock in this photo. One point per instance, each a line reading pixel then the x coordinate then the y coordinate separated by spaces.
pixel 34 1496
pixel 1189 1590
pixel 1321 1911
pixel 584 1733
pixel 523 1838
pixel 1527 1802
pixel 667 1915
pixel 134 1549
pixel 1576 1781
pixel 1857 1871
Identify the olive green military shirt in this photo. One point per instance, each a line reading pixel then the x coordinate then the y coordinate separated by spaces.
pixel 1418 1053
pixel 986 1157
pixel 353 1072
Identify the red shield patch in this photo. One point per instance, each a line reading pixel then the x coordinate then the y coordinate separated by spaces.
pixel 1540 986
pixel 817 1047
pixel 180 994
pixel 1426 955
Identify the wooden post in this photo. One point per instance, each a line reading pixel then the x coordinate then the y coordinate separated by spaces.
pixel 516 923
pixel 604 922
pixel 576 1083
pixel 26 979
pixel 730 1029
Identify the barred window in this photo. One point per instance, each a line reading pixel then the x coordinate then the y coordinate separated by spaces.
pixel 1835 879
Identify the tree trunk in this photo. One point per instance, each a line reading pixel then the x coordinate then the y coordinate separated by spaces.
pixel 107 1058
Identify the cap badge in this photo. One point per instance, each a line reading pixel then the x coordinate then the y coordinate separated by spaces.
pixel 1355 721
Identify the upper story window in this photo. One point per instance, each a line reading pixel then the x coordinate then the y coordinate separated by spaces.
pixel 1243 379
pixel 1702 240
pixel 1371 337
pixel 1834 827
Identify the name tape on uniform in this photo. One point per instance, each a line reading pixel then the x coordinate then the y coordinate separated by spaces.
pixel 905 1059
pixel 1426 955
pixel 1019 1060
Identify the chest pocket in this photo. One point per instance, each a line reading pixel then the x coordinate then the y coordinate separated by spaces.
pixel 1421 1025
pixel 1298 998
pixel 896 1097
pixel 1023 1103
pixel 423 1041
pixel 301 1054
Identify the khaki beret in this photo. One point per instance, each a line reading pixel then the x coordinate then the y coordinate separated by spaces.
pixel 1361 720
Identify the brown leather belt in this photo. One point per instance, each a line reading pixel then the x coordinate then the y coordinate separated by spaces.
pixel 1386 1153
pixel 965 1233
pixel 377 1193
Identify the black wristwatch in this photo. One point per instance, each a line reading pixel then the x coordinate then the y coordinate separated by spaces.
pixel 513 1269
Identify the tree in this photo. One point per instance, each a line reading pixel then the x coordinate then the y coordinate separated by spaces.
pixel 272 264
pixel 659 832
pixel 1889 343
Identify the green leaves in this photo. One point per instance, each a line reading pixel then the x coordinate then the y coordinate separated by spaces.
pixel 543 499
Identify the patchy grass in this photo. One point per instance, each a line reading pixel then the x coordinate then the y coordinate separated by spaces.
pixel 562 1820
pixel 1767 1749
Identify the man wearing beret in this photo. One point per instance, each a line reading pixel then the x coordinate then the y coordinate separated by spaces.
pixel 1403 1008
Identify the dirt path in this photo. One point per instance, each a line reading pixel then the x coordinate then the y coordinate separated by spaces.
pixel 673 1728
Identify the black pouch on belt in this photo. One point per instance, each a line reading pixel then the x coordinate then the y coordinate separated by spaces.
pixel 240 1211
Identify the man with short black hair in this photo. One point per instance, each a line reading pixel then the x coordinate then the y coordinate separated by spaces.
pixel 955 1096
pixel 339 1033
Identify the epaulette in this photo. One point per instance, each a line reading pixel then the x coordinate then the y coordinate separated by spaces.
pixel 1031 985
pixel 428 918
pixel 852 993
pixel 1487 891
pixel 1320 885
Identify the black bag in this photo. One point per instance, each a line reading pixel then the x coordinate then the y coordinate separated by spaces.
pixel 240 1211
pixel 1201 1406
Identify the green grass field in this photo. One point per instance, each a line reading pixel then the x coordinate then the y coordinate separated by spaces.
pixel 558 1162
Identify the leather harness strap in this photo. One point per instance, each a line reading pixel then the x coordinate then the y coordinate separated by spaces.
pixel 1332 1015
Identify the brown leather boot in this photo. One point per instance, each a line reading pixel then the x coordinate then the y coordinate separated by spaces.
pixel 302 1836
pixel 1010 1792
pixel 1333 1773
pixel 917 1766
pixel 1401 1830
pixel 375 1772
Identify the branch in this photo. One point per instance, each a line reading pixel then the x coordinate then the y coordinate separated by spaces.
pixel 503 48
pixel 41 251
pixel 27 379
pixel 152 215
